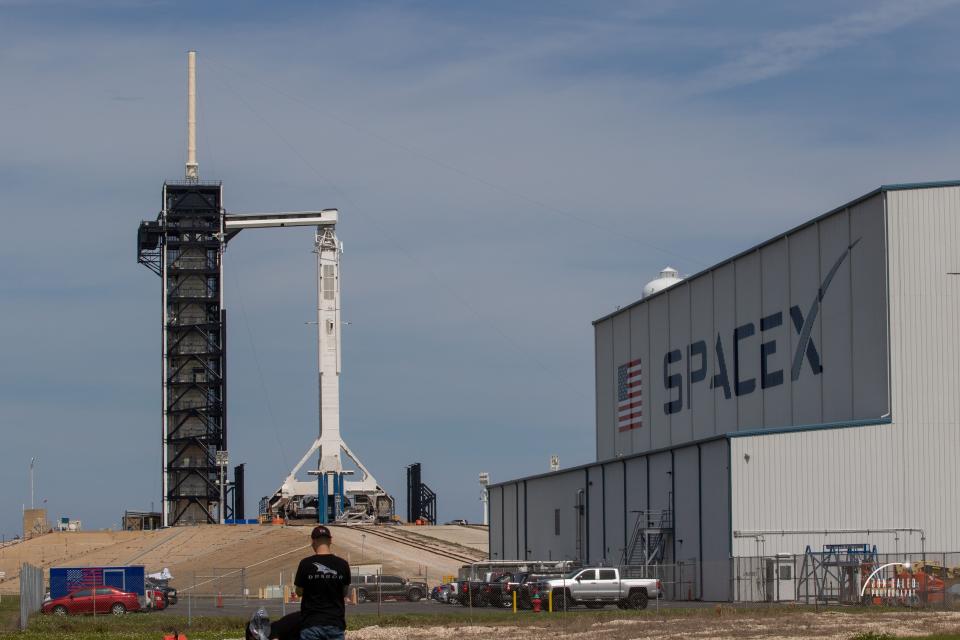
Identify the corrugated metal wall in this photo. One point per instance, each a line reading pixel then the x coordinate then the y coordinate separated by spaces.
pixel 596 505
pixel 616 515
pixel 496 507
pixel 684 479
pixel 899 475
pixel 715 516
pixel 511 508
pixel 818 480
pixel 729 339
pixel 548 498
pixel 686 486
pixel 924 232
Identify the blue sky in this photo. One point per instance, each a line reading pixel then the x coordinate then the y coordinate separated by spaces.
pixel 506 172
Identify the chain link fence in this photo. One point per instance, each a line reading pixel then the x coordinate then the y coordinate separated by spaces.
pixel 31 592
pixel 679 580
pixel 494 584
pixel 922 579
pixel 215 590
pixel 226 582
pixel 838 575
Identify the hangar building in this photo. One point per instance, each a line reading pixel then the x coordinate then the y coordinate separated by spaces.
pixel 803 392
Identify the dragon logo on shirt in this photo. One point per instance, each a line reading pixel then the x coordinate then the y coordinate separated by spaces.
pixel 324 569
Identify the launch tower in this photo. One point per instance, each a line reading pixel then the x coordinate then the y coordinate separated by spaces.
pixel 185 246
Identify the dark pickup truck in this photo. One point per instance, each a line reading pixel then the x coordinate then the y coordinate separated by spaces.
pixel 472 593
pixel 526 585
pixel 495 591
pixel 383 587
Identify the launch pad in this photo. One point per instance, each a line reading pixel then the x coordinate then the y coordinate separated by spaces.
pixel 185 246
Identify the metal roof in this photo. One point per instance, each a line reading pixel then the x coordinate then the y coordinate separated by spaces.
pixel 881 189
pixel 730 435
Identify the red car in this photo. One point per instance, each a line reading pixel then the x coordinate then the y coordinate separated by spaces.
pixel 107 599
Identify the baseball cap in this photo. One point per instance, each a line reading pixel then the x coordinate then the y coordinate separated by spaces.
pixel 320 531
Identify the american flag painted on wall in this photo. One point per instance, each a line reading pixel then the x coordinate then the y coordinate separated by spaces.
pixel 83 578
pixel 630 395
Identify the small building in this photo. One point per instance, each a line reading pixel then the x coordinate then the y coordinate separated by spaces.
pixel 142 520
pixel 35 523
pixel 801 393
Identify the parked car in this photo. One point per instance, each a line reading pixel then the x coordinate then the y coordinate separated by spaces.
pixel 459 521
pixel 441 593
pixel 597 587
pixel 372 587
pixel 454 594
pixel 99 599
pixel 169 593
pixel 449 594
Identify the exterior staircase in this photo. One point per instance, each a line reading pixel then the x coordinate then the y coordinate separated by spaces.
pixel 648 542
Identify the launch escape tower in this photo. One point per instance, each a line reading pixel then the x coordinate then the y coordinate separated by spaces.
pixel 185 245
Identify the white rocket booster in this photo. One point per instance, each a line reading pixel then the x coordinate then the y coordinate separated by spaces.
pixel 329 442
pixel 328 341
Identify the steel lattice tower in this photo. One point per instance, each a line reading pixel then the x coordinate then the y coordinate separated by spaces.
pixel 184 247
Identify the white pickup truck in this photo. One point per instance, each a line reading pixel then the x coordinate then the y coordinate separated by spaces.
pixel 597 587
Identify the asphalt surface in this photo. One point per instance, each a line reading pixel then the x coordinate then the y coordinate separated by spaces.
pixel 207 607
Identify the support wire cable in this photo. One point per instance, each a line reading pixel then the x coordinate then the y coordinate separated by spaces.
pixel 548 208
pixel 256 361
pixel 410 256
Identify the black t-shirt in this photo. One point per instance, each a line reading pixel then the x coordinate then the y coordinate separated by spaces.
pixel 324 580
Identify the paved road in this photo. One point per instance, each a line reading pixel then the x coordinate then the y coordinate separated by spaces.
pixel 239 607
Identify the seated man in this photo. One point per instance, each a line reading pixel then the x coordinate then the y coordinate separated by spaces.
pixel 322 582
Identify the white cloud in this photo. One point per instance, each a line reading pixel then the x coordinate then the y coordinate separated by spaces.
pixel 784 51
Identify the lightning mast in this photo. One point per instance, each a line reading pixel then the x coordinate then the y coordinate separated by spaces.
pixel 184 246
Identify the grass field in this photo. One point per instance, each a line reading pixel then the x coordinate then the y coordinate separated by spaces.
pixel 724 622
pixel 9 613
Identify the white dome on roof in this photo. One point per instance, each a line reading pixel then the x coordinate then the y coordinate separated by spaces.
pixel 668 277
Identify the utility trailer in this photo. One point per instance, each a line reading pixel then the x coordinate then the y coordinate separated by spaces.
pixel 65 580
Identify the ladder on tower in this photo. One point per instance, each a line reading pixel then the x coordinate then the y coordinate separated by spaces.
pixel 648 542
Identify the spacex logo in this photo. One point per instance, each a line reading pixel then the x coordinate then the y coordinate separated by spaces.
pixel 322 568
pixel 323 571
pixel 728 376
